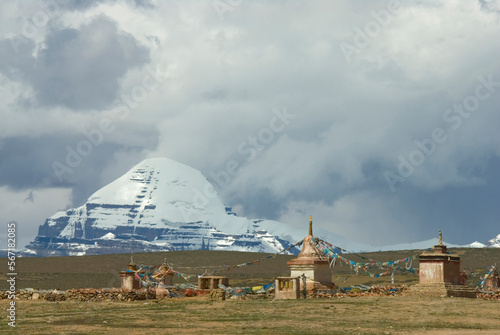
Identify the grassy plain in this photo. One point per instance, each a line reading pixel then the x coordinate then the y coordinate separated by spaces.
pixel 356 315
pixel 352 315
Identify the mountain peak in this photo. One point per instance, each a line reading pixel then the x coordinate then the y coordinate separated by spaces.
pixel 177 192
pixel 159 204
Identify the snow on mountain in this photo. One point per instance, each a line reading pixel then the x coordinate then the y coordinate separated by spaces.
pixel 494 242
pixel 476 244
pixel 159 204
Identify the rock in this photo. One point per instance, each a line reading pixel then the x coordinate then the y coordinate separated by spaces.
pixel 161 293
pixel 217 295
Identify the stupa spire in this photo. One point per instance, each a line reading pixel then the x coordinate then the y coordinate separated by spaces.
pixel 310 225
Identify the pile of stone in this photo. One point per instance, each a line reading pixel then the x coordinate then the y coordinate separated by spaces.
pixel 364 291
pixel 217 295
pixel 52 296
pixel 113 294
pixel 90 294
pixel 86 294
pixel 489 295
pixel 142 294
pixel 30 294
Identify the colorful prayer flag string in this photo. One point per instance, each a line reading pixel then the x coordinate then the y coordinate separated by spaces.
pixel 326 249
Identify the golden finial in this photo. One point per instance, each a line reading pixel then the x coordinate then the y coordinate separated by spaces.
pixel 132 265
pixel 310 225
pixel 440 237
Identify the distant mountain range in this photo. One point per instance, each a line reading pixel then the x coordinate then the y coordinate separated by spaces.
pixel 163 205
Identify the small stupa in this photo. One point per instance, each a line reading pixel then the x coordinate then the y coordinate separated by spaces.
pixel 440 275
pixel 130 281
pixel 163 277
pixel 312 264
pixel 493 281
pixel 164 274
pixel 439 266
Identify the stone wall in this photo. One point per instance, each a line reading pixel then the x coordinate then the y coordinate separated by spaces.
pixel 440 271
pixel 212 282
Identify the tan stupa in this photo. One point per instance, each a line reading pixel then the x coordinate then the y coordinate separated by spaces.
pixel 312 264
pixel 439 266
pixel 440 275
pixel 129 280
pixel 164 275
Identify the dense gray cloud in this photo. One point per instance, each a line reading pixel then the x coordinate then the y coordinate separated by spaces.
pixel 76 68
pixel 26 163
pixel 379 120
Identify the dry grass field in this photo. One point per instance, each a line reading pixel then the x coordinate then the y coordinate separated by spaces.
pixel 358 315
pixel 349 315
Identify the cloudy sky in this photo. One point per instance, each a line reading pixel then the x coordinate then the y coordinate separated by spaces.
pixel 378 118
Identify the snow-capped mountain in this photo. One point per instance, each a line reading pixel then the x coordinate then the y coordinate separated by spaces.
pixel 159 204
pixel 493 243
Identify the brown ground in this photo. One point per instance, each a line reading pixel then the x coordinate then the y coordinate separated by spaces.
pixel 360 315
